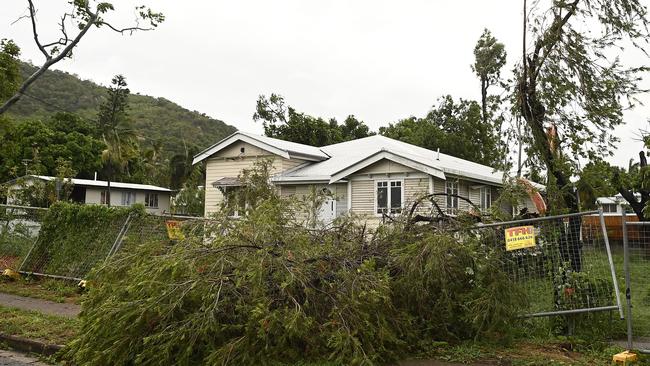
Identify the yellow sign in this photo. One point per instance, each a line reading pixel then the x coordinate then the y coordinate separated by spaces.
pixel 520 237
pixel 174 230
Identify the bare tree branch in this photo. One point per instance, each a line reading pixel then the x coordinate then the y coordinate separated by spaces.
pixel 86 18
pixel 32 16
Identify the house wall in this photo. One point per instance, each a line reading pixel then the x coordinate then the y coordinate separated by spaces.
pixel 416 185
pixel 300 191
pixel 93 196
pixel 230 161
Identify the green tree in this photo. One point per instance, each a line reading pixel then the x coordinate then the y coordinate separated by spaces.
pixel 456 128
pixel 82 16
pixel 9 68
pixel 190 199
pixel 34 146
pixel 114 127
pixel 569 82
pixel 634 184
pixel 596 180
pixel 571 92
pixel 286 123
pixel 489 59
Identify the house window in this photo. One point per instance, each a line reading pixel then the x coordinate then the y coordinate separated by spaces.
pixel 103 197
pixel 451 188
pixel 235 201
pixel 151 200
pixel 128 198
pixel 389 196
pixel 609 208
pixel 486 198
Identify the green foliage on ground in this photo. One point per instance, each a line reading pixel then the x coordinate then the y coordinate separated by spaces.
pixel 73 238
pixel 265 289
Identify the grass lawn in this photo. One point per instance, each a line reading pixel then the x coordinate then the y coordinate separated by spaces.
pixel 37 326
pixel 527 353
pixel 47 289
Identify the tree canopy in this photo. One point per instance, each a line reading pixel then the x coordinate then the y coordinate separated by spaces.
pixel 456 128
pixel 35 146
pixel 571 86
pixel 285 123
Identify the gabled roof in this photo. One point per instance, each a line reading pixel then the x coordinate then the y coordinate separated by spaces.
pixel 332 163
pixel 350 156
pixel 103 183
pixel 285 149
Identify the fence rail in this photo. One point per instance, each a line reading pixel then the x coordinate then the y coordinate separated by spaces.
pixel 636 267
pixel 565 268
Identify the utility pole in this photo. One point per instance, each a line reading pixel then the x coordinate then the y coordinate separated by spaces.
pixel 524 75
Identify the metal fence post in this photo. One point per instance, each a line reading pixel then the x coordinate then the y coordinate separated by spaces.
pixel 626 269
pixel 611 263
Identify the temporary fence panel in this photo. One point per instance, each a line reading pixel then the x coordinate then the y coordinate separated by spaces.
pixel 19 228
pixel 72 252
pixel 562 264
pixel 636 236
pixel 160 228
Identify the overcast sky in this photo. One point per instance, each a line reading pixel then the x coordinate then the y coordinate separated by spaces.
pixel 378 60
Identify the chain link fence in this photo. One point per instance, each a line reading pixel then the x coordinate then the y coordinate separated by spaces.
pixel 19 229
pixel 636 266
pixel 562 264
pixel 71 252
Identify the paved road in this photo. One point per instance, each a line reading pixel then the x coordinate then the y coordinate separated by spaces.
pixel 43 306
pixel 10 358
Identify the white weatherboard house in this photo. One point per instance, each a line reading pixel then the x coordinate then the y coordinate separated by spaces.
pixel 87 191
pixel 369 176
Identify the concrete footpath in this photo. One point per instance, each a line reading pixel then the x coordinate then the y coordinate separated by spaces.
pixel 40 305
pixel 11 358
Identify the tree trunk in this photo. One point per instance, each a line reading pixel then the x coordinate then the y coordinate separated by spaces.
pixel 534 113
pixel 637 205
pixel 484 100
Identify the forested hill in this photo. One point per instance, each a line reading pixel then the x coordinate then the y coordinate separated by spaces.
pixel 155 119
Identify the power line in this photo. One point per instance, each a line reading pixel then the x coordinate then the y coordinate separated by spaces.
pixel 61 109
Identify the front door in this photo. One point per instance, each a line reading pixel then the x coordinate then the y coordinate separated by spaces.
pixel 327 211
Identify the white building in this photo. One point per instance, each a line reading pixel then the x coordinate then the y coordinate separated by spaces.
pixel 155 199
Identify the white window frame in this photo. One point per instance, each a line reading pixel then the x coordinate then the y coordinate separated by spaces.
pixel 485 192
pixel 388 182
pixel 453 209
pixel 147 198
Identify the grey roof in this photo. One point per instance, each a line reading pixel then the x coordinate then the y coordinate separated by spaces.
pixel 327 163
pixel 349 153
pixel 286 149
pixel 103 183
pixel 227 182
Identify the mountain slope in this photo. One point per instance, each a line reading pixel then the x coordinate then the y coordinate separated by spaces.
pixel 155 119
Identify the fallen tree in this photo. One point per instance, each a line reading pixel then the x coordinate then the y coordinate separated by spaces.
pixel 266 289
